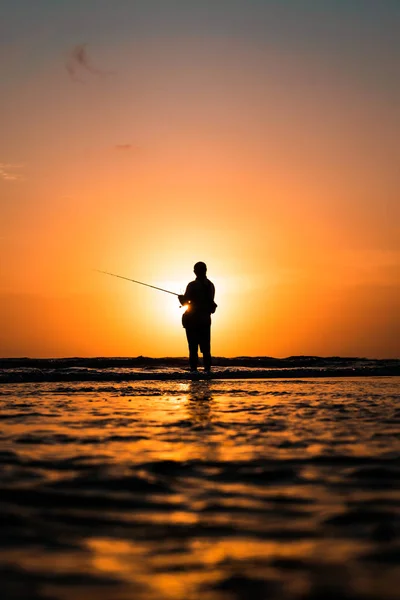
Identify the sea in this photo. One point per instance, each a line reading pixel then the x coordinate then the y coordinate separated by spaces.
pixel 130 479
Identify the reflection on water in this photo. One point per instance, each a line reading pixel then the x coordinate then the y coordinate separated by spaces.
pixel 205 489
pixel 200 402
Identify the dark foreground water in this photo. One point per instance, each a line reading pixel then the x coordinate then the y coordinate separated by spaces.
pixel 213 490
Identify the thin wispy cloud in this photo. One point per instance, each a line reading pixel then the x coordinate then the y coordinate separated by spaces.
pixel 10 172
pixel 79 64
pixel 123 147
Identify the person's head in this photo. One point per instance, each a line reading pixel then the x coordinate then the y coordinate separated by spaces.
pixel 200 269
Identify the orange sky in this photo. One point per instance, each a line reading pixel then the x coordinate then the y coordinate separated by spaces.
pixel 269 153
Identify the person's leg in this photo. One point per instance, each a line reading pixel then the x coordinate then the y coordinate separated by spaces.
pixel 193 343
pixel 205 347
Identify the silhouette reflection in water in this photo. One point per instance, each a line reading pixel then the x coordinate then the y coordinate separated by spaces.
pixel 200 402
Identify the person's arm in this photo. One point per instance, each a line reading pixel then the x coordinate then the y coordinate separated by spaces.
pixel 213 306
pixel 212 290
pixel 184 298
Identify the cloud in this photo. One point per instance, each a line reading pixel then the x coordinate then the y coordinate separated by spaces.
pixel 123 147
pixel 79 64
pixel 9 172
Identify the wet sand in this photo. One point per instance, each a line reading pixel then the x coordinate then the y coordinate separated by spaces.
pixel 217 490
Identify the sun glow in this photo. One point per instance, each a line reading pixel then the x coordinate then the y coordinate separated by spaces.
pixel 291 208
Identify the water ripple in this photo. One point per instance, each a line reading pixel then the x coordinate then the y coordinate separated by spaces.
pixel 221 490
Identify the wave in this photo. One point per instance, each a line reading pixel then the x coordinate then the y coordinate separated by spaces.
pixel 114 369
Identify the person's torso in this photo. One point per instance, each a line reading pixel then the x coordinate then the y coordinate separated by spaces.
pixel 201 295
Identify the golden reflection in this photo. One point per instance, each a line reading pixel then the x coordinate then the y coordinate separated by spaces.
pixel 113 555
pixel 218 551
pixel 200 402
pixel 170 570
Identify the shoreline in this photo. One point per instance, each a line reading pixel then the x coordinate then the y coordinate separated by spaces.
pixel 82 376
pixel 182 361
pixel 141 368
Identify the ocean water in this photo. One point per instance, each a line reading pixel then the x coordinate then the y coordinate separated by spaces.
pixel 221 489
pixel 13 370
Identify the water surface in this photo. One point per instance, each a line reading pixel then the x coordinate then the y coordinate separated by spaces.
pixel 219 490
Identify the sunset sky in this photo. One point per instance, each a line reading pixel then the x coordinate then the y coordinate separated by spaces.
pixel 259 136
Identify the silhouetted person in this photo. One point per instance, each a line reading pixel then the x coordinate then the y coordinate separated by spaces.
pixel 199 297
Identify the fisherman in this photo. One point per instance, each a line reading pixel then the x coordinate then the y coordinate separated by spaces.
pixel 199 298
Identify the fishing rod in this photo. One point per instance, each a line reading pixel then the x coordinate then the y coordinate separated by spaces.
pixel 139 282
